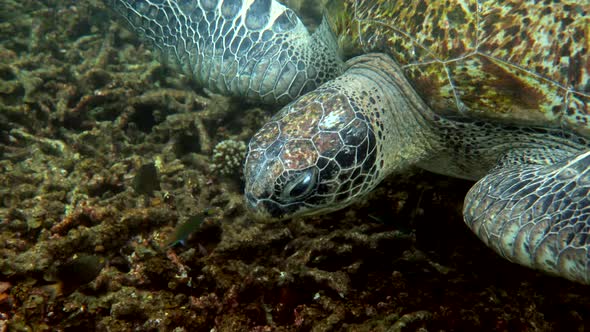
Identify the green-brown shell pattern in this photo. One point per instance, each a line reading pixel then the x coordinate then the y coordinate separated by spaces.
pixel 515 61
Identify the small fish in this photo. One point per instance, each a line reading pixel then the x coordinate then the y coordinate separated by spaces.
pixel 182 231
pixel 75 273
pixel 146 180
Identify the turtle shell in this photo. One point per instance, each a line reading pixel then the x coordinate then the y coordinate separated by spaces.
pixel 515 61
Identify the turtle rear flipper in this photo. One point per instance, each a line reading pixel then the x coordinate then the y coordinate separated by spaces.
pixel 536 214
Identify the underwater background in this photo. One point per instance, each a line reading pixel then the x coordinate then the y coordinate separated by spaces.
pixel 121 209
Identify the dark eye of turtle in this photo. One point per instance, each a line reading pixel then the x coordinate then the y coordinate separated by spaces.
pixel 301 185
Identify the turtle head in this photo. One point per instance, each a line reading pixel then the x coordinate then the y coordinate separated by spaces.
pixel 316 155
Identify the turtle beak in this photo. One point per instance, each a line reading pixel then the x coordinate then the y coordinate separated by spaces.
pixel 251 202
pixel 257 208
pixel 264 209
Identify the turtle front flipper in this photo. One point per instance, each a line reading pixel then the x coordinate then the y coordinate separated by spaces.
pixel 536 213
pixel 256 49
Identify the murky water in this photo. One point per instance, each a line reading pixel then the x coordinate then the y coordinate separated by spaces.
pixel 85 106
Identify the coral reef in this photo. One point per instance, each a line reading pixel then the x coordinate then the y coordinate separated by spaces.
pixel 104 152
pixel 228 157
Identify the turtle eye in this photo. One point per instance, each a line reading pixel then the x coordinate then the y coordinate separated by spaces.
pixel 301 185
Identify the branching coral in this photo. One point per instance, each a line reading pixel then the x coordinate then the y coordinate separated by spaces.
pixel 228 157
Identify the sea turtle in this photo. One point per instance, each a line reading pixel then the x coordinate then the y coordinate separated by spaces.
pixel 496 91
